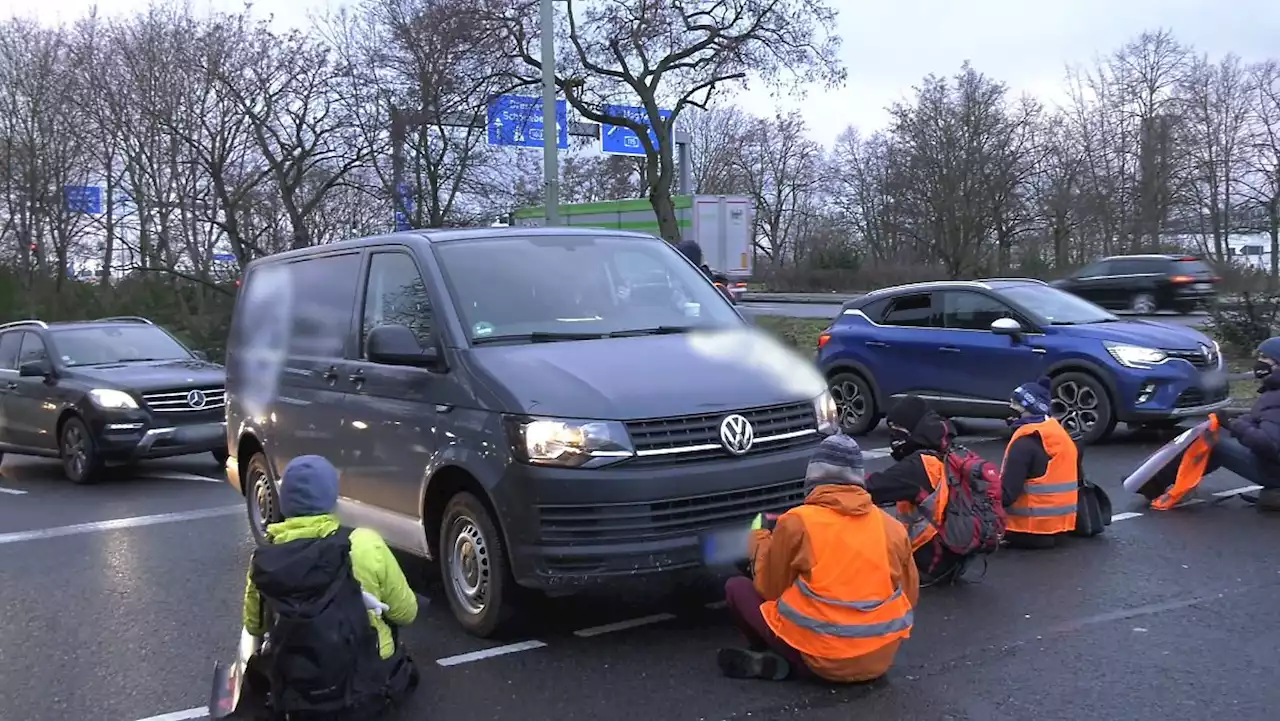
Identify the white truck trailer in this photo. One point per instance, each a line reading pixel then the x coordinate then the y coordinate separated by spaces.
pixel 721 224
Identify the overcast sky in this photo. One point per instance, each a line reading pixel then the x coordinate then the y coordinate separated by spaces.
pixel 889 45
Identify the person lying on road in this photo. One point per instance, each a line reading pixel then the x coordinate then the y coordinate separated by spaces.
pixel 1040 474
pixel 331 595
pixel 834 583
pixel 918 438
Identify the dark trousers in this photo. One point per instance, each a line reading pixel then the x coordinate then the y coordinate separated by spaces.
pixel 1230 454
pixel 744 609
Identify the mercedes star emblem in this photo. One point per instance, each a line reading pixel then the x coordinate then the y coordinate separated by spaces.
pixel 196 399
pixel 736 434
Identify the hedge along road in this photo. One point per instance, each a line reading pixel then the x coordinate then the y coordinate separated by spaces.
pixel 119 597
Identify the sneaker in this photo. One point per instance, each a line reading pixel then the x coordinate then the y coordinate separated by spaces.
pixel 741 663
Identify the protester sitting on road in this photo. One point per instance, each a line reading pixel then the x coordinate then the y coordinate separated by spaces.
pixel 1040 475
pixel 918 438
pixel 1252 450
pixel 834 583
pixel 322 593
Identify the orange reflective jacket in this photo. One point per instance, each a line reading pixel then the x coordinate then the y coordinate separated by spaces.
pixel 1048 503
pixel 847 606
pixel 1191 468
pixel 922 521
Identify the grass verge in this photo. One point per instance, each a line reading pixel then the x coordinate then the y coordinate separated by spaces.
pixel 800 333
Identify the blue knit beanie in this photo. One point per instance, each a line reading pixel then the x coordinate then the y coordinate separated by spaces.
pixel 309 487
pixel 1035 398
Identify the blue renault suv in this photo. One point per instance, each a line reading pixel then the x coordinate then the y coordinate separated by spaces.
pixel 965 345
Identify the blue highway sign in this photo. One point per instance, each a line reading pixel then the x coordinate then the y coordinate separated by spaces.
pixel 617 140
pixel 83 199
pixel 517 120
pixel 224 257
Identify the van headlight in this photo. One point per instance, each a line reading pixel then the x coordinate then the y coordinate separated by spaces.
pixel 1135 356
pixel 569 443
pixel 827 413
pixel 112 399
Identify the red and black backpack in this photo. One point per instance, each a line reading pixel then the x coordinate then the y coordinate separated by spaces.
pixel 973 522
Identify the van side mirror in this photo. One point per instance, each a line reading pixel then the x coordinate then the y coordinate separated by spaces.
pixel 395 344
pixel 200 355
pixel 1006 326
pixel 34 369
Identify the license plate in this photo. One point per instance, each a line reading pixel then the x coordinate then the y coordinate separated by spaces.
pixel 1204 286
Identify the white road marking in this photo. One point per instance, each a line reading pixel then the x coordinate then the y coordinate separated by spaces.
pixel 179 476
pixel 489 653
pixel 1237 491
pixel 1124 516
pixel 624 625
pixel 191 713
pixel 13 491
pixel 717 605
pixel 118 523
pixel 874 453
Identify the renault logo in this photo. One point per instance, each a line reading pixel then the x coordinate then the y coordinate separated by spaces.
pixel 1207 352
pixel 196 399
pixel 736 434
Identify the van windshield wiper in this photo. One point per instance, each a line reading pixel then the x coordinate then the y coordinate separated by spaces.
pixel 535 337
pixel 659 330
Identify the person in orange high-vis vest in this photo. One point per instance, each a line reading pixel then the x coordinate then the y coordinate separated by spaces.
pixel 1040 474
pixel 834 587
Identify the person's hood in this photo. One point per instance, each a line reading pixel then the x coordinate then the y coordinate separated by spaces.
pixel 845 498
pixel 933 432
pixel 642 377
pixel 1146 333
pixel 300 562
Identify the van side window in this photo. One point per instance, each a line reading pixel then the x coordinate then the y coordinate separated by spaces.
pixel 32 349
pixel 324 294
pixel 395 294
pixel 9 343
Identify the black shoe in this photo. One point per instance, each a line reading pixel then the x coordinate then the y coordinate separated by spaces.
pixel 741 663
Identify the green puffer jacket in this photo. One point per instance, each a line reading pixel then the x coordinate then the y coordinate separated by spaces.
pixel 371 562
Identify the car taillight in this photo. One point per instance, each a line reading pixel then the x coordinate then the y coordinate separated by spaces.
pixel 1182 279
pixel 823 338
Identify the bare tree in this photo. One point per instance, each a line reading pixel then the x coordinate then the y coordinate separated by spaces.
pixel 1263 180
pixel 781 168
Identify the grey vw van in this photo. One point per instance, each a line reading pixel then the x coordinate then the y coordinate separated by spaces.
pixel 528 407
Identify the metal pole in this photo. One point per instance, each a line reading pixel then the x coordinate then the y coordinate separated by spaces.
pixel 550 131
pixel 397 163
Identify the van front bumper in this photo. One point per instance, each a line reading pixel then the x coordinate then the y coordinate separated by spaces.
pixel 634 518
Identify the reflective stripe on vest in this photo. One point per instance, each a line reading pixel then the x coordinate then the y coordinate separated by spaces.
pixel 923 521
pixel 847 605
pixel 1048 502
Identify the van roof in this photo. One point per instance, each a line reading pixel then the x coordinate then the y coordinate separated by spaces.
pixel 444 235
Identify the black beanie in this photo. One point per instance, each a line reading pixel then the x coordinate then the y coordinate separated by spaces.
pixel 908 412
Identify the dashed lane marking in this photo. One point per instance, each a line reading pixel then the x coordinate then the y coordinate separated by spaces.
pixel 13 491
pixel 624 625
pixel 191 713
pixel 118 523
pixel 1124 516
pixel 1192 502
pixel 179 476
pixel 1237 491
pixel 489 653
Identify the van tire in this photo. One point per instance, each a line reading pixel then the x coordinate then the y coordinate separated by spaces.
pixel 848 387
pixel 258 479
pixel 1090 398
pixel 474 569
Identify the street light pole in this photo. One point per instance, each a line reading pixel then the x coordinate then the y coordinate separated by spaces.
pixel 550 128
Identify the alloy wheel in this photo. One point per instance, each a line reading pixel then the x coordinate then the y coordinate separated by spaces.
pixel 74 449
pixel 1075 405
pixel 851 404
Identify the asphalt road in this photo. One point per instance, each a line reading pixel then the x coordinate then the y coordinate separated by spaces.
pixel 830 310
pixel 117 599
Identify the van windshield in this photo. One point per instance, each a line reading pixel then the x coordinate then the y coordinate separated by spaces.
pixel 540 287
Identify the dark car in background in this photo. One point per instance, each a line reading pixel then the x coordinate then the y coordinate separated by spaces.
pixel 114 390
pixel 1145 284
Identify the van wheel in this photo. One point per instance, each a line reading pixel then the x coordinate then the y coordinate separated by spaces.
pixel 81 461
pixel 1081 404
pixel 261 497
pixel 855 403
pixel 473 567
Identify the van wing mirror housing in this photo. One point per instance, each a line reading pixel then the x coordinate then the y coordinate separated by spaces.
pixel 1006 326
pixel 200 355
pixel 395 344
pixel 34 369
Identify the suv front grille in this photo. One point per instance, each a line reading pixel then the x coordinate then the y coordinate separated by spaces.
pixel 671 517
pixel 188 400
pixel 1192 397
pixel 1196 358
pixel 686 438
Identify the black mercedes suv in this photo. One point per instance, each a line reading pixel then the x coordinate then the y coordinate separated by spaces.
pixel 1145 284
pixel 113 390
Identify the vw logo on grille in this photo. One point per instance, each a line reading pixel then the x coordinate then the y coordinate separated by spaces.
pixel 736 434
pixel 196 399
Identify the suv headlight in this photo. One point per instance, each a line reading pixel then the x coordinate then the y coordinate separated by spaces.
pixel 1135 356
pixel 828 414
pixel 569 443
pixel 110 398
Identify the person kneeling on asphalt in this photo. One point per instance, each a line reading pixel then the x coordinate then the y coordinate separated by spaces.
pixel 333 596
pixel 918 439
pixel 834 583
pixel 1040 475
pixel 1252 450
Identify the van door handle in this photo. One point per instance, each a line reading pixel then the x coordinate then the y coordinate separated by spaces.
pixel 949 349
pixel 876 344
pixel 331 375
pixel 357 377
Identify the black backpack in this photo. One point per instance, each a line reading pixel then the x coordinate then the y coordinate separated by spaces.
pixel 323 651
